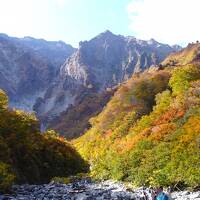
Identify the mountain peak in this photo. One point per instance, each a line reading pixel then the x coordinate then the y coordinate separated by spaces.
pixel 106 33
pixel 152 41
pixel 116 55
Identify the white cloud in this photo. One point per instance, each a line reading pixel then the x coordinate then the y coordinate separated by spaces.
pixel 169 21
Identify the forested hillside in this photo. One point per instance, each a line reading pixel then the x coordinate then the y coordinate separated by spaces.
pixel 27 156
pixel 149 132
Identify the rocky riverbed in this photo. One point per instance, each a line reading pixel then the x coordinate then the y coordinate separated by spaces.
pixel 86 190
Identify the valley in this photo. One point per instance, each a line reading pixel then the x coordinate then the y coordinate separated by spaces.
pixel 130 108
pixel 99 100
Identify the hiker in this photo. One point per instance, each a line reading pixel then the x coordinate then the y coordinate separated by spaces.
pixel 159 194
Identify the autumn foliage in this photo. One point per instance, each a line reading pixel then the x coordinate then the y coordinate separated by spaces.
pixel 149 133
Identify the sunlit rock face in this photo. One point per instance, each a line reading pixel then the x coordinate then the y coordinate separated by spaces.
pixel 109 59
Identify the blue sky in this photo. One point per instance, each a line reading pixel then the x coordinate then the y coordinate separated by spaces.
pixel 168 21
pixel 67 20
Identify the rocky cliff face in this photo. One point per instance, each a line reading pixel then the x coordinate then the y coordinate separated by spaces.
pixel 28 66
pixel 101 63
pixel 34 76
pixel 109 59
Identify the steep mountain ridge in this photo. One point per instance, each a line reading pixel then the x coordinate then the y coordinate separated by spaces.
pixel 28 66
pixel 98 64
pixel 109 59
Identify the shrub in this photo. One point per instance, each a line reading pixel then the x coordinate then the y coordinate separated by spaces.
pixel 181 78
